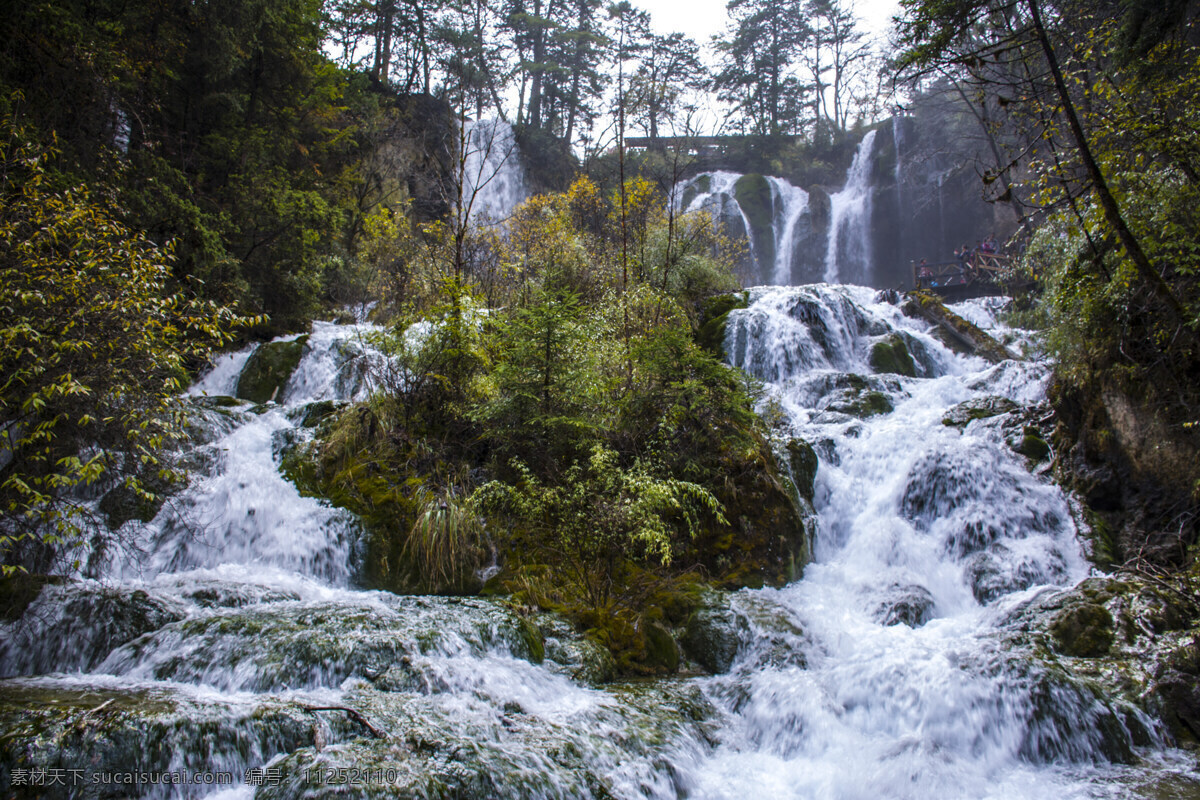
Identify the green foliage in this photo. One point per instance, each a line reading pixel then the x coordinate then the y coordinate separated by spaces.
pixel 93 349
pixel 445 545
pixel 221 126
pixel 576 420
pixel 599 514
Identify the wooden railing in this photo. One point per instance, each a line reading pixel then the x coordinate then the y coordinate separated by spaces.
pixel 977 268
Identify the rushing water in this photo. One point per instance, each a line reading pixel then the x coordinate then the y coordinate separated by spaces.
pixel 847 254
pixel 883 673
pixel 848 250
pixel 493 178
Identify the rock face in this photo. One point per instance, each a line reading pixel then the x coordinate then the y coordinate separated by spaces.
pixel 266 373
pixel 1132 639
pixel 891 356
pixel 1083 629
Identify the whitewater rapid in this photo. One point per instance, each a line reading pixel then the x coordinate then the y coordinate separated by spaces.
pixel 885 672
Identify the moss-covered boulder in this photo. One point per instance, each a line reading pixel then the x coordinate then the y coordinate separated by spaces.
pixel 753 195
pixel 891 356
pixel 714 314
pixel 1084 630
pixel 77 625
pixel 977 408
pixel 1033 446
pixel 267 371
pixel 865 404
pixel 661 649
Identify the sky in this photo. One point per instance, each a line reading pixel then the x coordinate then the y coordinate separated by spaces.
pixel 700 19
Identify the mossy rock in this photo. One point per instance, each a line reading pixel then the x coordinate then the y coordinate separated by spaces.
pixel 313 414
pixel 661 649
pixel 714 634
pixel 534 641
pixel 714 315
pixel 802 458
pixel 978 408
pixel 218 401
pixel 1033 446
pixel 891 356
pixel 928 306
pixel 268 369
pixel 1083 630
pixel 867 404
pixel 753 195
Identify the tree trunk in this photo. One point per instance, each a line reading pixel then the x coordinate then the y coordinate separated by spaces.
pixel 1112 212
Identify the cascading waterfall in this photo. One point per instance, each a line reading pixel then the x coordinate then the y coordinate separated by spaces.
pixel 493 178
pixel 884 672
pixel 714 193
pixel 789 204
pixel 848 250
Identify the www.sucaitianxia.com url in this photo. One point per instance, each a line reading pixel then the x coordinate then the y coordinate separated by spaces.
pixel 81 777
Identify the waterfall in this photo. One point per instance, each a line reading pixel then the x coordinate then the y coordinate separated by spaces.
pixel 493 178
pixel 715 192
pixel 240 647
pixel 848 250
pixel 883 672
pixel 789 203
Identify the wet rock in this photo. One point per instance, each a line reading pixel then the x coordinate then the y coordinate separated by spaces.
pixel 1177 694
pixel 860 404
pixel 905 605
pixel 891 356
pixel 1084 630
pixel 308 644
pixel 495 746
pixel 578 657
pixel 76 626
pixel 268 369
pixel 313 414
pixel 970 501
pixel 221 594
pixel 997 571
pixel 802 459
pixel 98 730
pixel 1070 720
pixel 978 408
pixel 715 633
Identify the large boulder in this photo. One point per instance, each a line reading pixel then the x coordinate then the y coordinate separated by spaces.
pixel 267 371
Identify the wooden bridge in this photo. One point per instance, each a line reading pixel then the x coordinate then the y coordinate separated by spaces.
pixel 976 275
pixel 704 150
